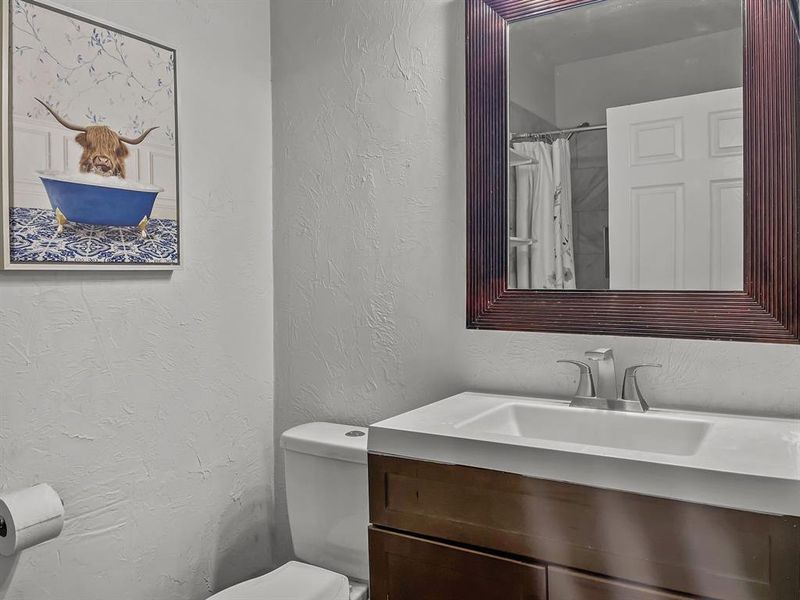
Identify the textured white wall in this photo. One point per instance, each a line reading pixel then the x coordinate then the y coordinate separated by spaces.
pixel 690 66
pixel 368 105
pixel 532 77
pixel 146 399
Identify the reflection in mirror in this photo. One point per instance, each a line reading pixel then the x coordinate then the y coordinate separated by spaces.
pixel 626 144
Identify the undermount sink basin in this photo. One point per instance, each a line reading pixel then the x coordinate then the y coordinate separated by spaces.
pixel 648 432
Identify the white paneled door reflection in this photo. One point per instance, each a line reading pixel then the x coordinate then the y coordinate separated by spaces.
pixel 675 174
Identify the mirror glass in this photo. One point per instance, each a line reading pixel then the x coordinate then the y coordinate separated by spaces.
pixel 626 147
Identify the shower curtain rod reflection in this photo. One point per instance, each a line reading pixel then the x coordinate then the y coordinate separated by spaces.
pixel 516 137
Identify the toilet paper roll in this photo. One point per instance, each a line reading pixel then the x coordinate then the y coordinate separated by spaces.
pixel 31 516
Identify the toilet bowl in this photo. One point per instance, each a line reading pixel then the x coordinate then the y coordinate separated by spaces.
pixel 327 502
pixel 292 581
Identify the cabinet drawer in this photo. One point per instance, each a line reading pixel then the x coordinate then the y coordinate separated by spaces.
pixel 408 568
pixel 667 544
pixel 563 584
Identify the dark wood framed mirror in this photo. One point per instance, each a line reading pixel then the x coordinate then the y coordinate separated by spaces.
pixel 765 306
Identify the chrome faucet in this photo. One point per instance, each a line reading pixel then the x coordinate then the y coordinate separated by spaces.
pixel 586 387
pixel 630 387
pixel 606 373
pixel 604 394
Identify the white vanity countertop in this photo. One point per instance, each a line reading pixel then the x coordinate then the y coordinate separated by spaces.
pixel 747 463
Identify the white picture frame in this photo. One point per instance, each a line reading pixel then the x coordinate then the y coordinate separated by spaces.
pixel 101 232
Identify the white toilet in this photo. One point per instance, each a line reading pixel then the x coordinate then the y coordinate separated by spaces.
pixel 327 499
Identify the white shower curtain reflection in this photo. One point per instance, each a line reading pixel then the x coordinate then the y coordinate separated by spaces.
pixel 543 210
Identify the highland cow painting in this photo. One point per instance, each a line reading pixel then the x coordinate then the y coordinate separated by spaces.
pixel 90 148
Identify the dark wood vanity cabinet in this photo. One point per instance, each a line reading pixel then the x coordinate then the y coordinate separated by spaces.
pixel 446 531
pixel 564 584
pixel 404 567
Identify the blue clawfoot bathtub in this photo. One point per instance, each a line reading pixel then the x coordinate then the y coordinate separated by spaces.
pixel 97 202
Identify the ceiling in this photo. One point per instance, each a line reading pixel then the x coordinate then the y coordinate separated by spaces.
pixel 614 26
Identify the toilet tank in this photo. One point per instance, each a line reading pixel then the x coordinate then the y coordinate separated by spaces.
pixel 327 496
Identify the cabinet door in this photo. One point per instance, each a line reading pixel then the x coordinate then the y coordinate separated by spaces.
pixel 694 549
pixel 407 568
pixel 564 584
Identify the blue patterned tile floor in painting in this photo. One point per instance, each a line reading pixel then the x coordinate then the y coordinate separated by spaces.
pixel 34 239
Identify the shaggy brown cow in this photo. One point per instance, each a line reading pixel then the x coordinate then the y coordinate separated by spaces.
pixel 104 150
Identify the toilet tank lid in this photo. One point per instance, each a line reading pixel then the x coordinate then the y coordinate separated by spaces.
pixel 329 440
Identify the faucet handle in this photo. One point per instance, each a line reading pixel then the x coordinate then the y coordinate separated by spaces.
pixel 586 387
pixel 630 387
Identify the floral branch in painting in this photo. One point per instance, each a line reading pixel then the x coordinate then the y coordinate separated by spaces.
pixel 90 72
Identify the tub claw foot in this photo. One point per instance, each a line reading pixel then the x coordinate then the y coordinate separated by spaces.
pixel 143 227
pixel 61 220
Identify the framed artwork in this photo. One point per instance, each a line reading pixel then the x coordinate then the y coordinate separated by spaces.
pixel 90 170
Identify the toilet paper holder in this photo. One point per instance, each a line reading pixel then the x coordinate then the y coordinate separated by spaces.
pixel 29 517
pixel 4 527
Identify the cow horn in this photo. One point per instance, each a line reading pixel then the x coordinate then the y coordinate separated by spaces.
pixel 66 124
pixel 138 140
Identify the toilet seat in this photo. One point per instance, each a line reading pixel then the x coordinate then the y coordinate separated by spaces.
pixel 292 581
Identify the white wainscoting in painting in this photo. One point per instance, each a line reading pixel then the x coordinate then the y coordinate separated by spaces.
pixel 675 177
pixel 41 144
